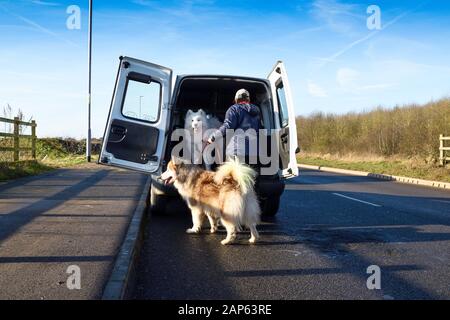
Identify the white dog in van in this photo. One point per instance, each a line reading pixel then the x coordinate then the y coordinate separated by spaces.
pixel 199 125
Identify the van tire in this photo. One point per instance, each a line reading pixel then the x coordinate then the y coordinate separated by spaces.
pixel 270 206
pixel 158 202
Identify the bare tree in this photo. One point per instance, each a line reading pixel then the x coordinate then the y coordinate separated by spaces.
pixel 8 112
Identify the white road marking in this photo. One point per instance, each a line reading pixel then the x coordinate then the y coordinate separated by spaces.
pixel 296 253
pixel 443 201
pixel 350 198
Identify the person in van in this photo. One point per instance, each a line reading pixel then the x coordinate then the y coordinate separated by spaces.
pixel 244 119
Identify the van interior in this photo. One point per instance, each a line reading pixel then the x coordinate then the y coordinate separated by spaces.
pixel 215 95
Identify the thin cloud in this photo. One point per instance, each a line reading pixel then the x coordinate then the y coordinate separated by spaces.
pixel 144 3
pixel 38 27
pixel 45 3
pixel 302 32
pixel 337 16
pixel 379 86
pixel 33 76
pixel 191 11
pixel 315 90
pixel 413 66
pixel 339 53
pixel 349 81
pixel 347 78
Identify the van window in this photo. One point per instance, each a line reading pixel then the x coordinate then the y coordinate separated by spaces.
pixel 282 104
pixel 142 100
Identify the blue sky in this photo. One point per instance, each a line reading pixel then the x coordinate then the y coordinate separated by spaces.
pixel 335 63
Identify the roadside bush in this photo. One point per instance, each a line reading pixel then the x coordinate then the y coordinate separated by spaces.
pixel 408 131
pixel 59 147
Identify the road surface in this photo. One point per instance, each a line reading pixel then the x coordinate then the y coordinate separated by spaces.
pixel 329 230
pixel 75 216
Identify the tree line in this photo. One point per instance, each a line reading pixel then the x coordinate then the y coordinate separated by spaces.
pixel 409 130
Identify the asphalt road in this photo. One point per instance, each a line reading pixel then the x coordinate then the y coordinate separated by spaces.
pixel 329 230
pixel 75 216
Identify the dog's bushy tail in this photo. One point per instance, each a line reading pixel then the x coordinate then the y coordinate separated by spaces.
pixel 241 173
pixel 244 208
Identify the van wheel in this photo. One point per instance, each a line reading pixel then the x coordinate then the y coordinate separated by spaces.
pixel 158 202
pixel 269 207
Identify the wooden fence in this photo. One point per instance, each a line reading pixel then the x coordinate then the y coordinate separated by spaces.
pixel 16 135
pixel 443 159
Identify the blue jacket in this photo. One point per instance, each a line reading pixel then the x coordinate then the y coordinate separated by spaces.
pixel 239 116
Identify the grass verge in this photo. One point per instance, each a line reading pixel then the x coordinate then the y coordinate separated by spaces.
pixel 414 168
pixel 13 170
pixel 19 169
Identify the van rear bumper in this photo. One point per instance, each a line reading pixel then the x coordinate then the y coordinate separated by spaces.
pixel 269 187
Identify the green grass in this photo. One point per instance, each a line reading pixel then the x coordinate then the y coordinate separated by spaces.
pixel 51 153
pixel 67 161
pixel 407 168
pixel 19 169
pixel 13 170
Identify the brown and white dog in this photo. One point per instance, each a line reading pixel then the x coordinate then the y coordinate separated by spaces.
pixel 227 195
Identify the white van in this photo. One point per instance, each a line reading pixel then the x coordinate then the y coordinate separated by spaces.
pixel 145 109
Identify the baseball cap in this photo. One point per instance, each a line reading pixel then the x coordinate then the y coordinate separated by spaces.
pixel 242 94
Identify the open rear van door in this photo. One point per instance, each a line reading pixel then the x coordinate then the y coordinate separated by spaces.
pixel 135 131
pixel 284 120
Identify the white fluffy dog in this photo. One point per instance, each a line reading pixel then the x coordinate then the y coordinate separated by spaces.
pixel 200 125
